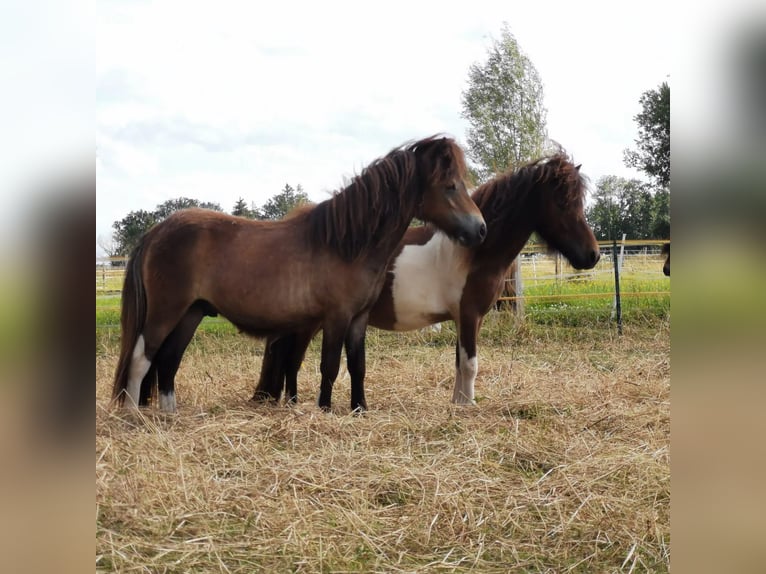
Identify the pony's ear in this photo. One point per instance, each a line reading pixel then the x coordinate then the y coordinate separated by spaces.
pixel 447 155
pixel 444 154
pixel 578 166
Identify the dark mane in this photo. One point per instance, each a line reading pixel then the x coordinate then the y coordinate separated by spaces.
pixel 359 217
pixel 502 198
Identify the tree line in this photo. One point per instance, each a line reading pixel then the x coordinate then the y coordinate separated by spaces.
pixel 129 230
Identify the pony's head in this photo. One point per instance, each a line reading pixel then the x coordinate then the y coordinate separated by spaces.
pixel 441 174
pixel 561 210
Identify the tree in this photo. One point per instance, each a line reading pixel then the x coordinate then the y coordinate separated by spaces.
pixel 242 210
pixel 653 154
pixel 107 244
pixel 504 108
pixel 660 225
pixel 129 230
pixel 284 202
pixel 622 206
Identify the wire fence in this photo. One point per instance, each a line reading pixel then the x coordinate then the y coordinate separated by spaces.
pixel 640 260
pixel 542 278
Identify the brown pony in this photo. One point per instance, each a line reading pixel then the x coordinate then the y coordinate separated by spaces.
pixel 432 279
pixel 666 252
pixel 323 267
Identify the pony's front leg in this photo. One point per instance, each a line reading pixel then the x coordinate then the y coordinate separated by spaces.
pixel 332 344
pixel 355 360
pixel 467 361
pixel 294 360
pixel 457 390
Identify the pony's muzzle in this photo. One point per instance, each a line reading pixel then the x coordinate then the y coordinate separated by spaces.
pixel 587 260
pixel 472 230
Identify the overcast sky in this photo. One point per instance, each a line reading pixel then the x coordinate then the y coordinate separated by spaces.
pixel 222 100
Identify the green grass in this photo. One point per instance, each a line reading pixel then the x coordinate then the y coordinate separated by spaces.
pixel 566 303
pixel 580 302
pixel 108 317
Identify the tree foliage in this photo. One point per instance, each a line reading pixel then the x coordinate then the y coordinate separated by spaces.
pixel 172 205
pixel 284 202
pixel 628 206
pixel 107 244
pixel 129 230
pixel 504 108
pixel 241 209
pixel 653 154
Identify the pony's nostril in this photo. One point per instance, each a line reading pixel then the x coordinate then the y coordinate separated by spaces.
pixel 482 231
pixel 595 256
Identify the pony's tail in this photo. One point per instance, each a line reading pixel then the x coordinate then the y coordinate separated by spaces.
pixel 132 317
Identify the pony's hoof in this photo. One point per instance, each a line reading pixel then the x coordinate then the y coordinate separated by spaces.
pixel 464 403
pixel 168 402
pixel 260 398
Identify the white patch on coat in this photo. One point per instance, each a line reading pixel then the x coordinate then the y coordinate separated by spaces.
pixel 168 402
pixel 428 281
pixel 465 377
pixel 139 366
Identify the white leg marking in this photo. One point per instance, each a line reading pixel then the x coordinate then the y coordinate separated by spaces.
pixel 464 391
pixel 139 366
pixel 168 402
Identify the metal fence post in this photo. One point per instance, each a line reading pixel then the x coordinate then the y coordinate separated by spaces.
pixel 518 285
pixel 617 304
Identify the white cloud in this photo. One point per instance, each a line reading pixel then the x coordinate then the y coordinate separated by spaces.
pixel 217 101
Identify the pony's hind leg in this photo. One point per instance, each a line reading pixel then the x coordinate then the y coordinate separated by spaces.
pixel 148 387
pixel 160 322
pixel 275 355
pixel 140 364
pixel 169 356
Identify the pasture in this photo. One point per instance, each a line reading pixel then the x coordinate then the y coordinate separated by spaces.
pixel 563 466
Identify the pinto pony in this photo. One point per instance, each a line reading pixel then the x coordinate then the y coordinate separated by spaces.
pixel 433 279
pixel 322 267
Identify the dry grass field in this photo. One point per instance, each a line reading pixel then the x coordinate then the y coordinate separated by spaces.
pixel 563 466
